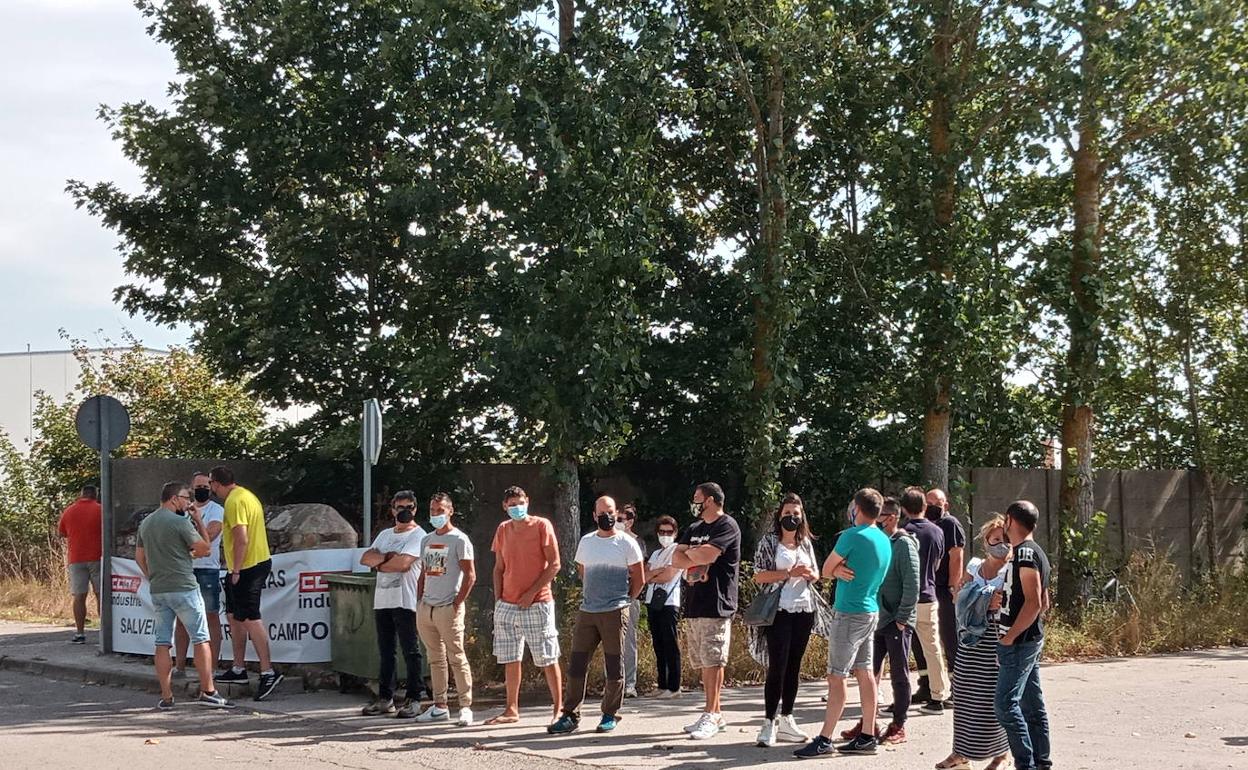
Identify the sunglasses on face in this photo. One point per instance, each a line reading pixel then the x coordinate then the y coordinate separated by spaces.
pixel 404 507
pixel 667 531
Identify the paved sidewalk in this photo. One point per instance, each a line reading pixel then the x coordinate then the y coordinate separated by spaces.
pixel 1137 711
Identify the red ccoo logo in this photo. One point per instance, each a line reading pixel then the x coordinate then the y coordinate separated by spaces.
pixel 126 584
pixel 314 582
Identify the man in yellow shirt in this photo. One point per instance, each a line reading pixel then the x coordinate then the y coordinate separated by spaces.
pixel 246 547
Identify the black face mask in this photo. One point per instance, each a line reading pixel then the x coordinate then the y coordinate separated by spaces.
pixel 606 522
pixel 934 512
pixel 202 494
pixel 790 523
pixel 404 515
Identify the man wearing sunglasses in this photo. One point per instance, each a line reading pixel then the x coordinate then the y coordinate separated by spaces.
pixel 395 555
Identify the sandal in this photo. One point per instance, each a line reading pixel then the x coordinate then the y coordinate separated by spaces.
pixel 954 762
pixel 502 719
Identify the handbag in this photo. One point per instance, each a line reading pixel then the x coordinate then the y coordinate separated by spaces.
pixel 658 599
pixel 763 607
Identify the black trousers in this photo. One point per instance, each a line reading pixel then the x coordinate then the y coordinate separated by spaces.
pixel 948 626
pixel 401 624
pixel 895 643
pixel 787 638
pixel 662 623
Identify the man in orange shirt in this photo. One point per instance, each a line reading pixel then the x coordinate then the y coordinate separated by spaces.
pixel 526 560
pixel 80 524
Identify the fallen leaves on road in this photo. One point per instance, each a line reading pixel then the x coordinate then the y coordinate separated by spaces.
pixel 152 742
pixel 1190 735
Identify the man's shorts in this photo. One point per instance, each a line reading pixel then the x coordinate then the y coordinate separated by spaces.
pixel 708 640
pixel 82 574
pixel 186 606
pixel 242 599
pixel 514 628
pixel 849 645
pixel 210 588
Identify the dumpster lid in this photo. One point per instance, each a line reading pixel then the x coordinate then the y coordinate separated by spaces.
pixel 351 579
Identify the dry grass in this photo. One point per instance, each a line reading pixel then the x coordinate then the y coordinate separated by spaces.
pixel 1163 614
pixel 34 586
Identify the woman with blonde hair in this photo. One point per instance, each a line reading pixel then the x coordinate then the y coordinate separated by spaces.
pixel 977 735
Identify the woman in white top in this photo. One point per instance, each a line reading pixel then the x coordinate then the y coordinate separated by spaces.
pixel 662 597
pixel 786 556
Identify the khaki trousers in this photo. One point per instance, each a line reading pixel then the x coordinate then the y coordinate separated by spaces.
pixel 442 631
pixel 927 634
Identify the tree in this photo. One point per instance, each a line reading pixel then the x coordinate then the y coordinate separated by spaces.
pixel 1142 72
pixel 570 294
pixel 314 206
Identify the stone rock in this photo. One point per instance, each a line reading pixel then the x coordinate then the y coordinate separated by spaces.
pixel 307 527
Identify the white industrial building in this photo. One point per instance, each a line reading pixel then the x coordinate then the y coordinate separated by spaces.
pixel 26 373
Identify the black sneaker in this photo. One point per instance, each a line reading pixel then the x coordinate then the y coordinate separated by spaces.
pixel 933 707
pixel 268 683
pixel 231 676
pixel 819 747
pixel 921 695
pixel 165 704
pixel 948 703
pixel 214 700
pixel 78 639
pixel 863 744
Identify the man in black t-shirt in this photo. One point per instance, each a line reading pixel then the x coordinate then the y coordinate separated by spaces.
pixel 709 551
pixel 1019 699
pixel 948 573
pixel 929 650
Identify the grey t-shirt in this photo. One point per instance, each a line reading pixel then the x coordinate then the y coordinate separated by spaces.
pixel 440 556
pixel 166 539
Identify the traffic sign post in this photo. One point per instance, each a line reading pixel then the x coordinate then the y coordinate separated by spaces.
pixel 370 447
pixel 103 424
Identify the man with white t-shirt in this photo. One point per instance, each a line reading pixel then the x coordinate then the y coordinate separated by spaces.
pixel 609 562
pixel 207 574
pixel 395 555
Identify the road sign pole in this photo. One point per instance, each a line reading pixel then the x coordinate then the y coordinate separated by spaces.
pixel 106 538
pixel 368 502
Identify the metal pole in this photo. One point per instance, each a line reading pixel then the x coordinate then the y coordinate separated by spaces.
pixel 106 537
pixel 368 500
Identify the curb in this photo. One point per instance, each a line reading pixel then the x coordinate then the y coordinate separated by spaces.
pixel 145 682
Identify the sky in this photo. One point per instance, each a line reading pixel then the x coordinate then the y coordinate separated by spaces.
pixel 59 61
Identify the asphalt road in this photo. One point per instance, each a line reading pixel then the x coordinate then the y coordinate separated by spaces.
pixel 53 724
pixel 1186 711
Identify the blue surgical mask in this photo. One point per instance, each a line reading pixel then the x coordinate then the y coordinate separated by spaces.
pixel 439 521
pixel 518 512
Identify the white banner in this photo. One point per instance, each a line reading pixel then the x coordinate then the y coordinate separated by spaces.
pixel 294 605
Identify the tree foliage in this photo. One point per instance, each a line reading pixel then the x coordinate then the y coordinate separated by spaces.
pixel 819 243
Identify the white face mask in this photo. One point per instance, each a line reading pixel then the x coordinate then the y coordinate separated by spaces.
pixel 666 540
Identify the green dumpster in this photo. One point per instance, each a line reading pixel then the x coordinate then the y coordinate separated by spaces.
pixel 353 635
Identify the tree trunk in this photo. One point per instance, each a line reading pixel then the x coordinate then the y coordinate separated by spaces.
pixel 567 25
pixel 937 360
pixel 1198 449
pixel 1084 321
pixel 567 513
pixel 762 461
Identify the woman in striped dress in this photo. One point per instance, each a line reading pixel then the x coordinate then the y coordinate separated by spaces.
pixel 976 734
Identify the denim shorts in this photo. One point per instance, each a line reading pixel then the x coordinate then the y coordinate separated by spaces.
pixel 849 645
pixel 186 606
pixel 210 588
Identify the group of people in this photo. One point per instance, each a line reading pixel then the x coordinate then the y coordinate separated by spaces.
pixel 898 578
pixel 178 550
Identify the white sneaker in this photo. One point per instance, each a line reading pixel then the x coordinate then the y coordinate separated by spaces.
pixel 661 694
pixel 694 726
pixel 630 692
pixel 788 731
pixel 672 694
pixel 434 713
pixel 767 735
pixel 708 726
pixel 465 717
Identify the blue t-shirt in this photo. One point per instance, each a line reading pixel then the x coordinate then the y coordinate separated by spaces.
pixel 868 553
pixel 606 561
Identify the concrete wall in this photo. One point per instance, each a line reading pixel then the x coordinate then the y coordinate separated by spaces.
pixel 1144 509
